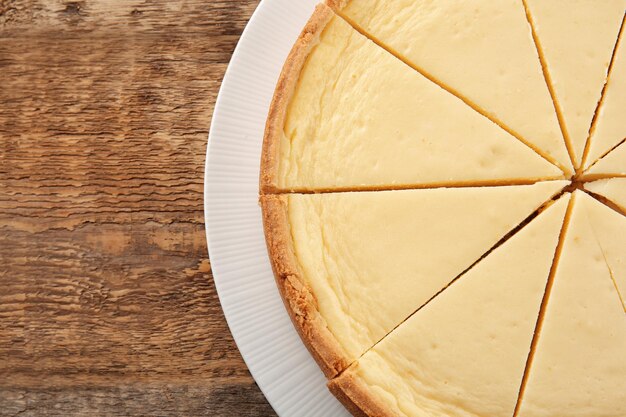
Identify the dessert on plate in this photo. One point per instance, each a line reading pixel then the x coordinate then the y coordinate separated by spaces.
pixel 443 187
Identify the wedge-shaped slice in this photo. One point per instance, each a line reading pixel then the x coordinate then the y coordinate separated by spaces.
pixel 481 49
pixel 610 128
pixel 360 118
pixel 579 363
pixel 352 266
pixel 465 352
pixel 612 164
pixel 609 227
pixel 577 39
pixel 613 189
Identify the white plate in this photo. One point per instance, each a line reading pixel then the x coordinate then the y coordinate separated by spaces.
pixel 275 355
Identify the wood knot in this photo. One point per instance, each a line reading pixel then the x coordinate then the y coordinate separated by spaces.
pixel 72 8
pixel 93 296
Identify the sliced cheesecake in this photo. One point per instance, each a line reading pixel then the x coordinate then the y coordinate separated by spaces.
pixel 349 115
pixel 610 128
pixel 352 266
pixel 579 363
pixel 613 189
pixel 481 50
pixel 464 353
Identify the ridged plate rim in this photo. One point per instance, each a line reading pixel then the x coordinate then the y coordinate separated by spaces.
pixel 276 357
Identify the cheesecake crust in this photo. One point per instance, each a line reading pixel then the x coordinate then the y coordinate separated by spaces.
pixel 297 297
pixel 337 4
pixel 357 398
pixel 285 88
pixel 299 300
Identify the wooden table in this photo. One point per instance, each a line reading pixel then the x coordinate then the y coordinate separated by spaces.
pixel 107 305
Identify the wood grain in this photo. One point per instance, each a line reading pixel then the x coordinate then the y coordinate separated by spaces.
pixel 107 305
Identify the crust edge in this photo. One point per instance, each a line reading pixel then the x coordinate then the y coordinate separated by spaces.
pixel 296 295
pixel 337 4
pixel 283 93
pixel 357 398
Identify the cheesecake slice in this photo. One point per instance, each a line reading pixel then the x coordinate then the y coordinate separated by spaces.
pixel 481 50
pixel 464 353
pixel 352 266
pixel 348 115
pixel 613 164
pixel 579 363
pixel 610 127
pixel 609 228
pixel 578 63
pixel 613 189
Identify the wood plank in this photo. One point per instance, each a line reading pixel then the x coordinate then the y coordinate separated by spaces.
pixel 107 304
pixel 229 398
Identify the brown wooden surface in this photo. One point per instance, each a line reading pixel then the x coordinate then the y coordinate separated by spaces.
pixel 107 305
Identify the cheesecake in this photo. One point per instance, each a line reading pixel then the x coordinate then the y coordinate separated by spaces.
pixel 443 194
pixel 483 51
pixel 351 115
pixel 612 189
pixel 609 229
pixel 343 249
pixel 609 129
pixel 578 367
pixel 577 64
pixel 613 164
pixel 464 354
